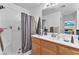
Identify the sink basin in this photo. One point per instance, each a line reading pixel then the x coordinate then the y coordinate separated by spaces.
pixel 50 36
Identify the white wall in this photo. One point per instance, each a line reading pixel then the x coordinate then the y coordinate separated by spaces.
pixel 37 12
pixel 11 16
pixel 52 20
pixel 78 18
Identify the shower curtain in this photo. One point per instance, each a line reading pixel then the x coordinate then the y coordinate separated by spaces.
pixel 26 32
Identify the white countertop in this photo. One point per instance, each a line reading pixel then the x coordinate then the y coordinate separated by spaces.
pixel 59 41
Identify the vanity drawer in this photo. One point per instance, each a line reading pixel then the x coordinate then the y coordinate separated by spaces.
pixel 36 40
pixel 49 45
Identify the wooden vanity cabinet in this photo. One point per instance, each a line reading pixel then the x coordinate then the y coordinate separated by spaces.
pixel 64 50
pixel 35 49
pixel 35 46
pixel 48 48
pixel 44 47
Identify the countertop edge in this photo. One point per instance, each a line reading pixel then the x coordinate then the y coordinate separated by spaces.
pixel 55 41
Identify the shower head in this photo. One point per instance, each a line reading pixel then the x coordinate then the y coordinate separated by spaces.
pixel 2 7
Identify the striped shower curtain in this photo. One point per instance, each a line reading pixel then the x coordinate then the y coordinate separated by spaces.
pixel 26 32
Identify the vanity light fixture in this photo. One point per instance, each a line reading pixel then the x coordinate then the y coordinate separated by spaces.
pixel 51 4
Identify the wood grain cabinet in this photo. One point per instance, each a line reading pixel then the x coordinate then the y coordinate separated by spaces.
pixel 45 51
pixel 43 47
pixel 63 50
pixel 35 46
pixel 48 48
pixel 35 49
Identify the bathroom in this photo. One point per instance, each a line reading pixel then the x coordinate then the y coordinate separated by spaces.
pixel 22 22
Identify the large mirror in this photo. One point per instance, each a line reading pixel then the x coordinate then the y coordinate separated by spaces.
pixel 60 18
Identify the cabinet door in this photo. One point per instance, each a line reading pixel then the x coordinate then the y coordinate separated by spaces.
pixel 35 49
pixel 36 40
pixel 45 51
pixel 49 45
pixel 67 51
pixel 35 46
pixel 74 51
pixel 48 48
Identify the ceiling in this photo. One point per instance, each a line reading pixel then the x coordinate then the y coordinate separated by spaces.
pixel 69 7
pixel 65 8
pixel 28 6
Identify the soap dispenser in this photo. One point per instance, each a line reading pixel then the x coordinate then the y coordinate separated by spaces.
pixel 72 40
